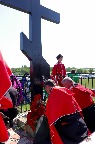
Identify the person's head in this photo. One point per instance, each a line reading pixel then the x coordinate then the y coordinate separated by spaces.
pixel 73 71
pixel 67 82
pixel 48 85
pixel 59 57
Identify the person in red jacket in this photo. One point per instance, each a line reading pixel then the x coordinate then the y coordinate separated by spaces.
pixel 83 97
pixel 63 113
pixel 58 71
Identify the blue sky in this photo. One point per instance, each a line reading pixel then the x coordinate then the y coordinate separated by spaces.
pixel 74 37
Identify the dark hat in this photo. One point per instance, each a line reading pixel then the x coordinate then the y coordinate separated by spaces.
pixel 59 56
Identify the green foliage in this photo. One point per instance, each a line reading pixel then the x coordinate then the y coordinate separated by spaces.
pixel 68 69
pixel 91 70
pixel 79 70
pixel 24 69
pixel 21 71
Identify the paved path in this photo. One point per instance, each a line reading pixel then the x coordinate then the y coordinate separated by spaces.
pixel 19 137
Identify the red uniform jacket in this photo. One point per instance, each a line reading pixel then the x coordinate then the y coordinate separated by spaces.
pixel 58 73
pixel 82 95
pixel 60 103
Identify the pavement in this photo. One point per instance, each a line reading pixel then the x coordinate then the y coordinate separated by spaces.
pixel 21 133
pixel 18 135
pixel 21 137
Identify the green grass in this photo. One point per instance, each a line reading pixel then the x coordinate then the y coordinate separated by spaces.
pixel 24 107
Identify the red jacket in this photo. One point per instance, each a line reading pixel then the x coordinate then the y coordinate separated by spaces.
pixel 58 73
pixel 60 103
pixel 83 96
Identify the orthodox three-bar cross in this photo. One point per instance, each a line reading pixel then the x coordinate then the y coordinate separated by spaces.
pixel 32 47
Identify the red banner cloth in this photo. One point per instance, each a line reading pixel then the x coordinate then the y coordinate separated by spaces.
pixel 8 69
pixel 5 103
pixel 3 131
pixel 5 81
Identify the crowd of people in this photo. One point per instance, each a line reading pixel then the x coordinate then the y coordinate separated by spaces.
pixel 69 114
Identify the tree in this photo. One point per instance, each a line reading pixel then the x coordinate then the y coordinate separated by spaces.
pixel 79 70
pixel 91 70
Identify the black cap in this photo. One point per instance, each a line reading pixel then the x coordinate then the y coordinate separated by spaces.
pixel 59 56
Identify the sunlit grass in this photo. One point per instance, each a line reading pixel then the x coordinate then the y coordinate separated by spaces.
pixel 24 107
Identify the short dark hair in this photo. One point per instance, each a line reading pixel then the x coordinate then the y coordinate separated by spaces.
pixel 49 82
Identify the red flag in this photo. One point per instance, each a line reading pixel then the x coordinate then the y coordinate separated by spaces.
pixel 8 69
pixel 5 103
pixel 5 81
pixel 3 131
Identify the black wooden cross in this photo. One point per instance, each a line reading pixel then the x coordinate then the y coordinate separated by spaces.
pixel 32 47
